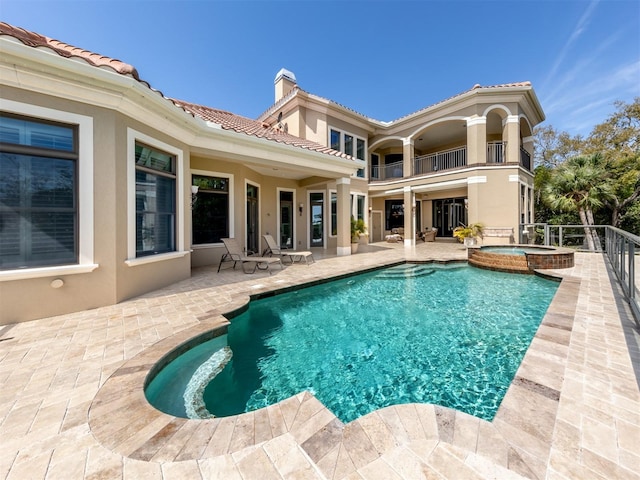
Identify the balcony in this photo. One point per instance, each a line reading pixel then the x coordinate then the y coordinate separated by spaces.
pixel 496 152
pixel 447 160
pixel 436 162
pixel 525 159
pixel 385 172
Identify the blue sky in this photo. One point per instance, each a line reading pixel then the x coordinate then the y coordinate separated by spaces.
pixel 384 59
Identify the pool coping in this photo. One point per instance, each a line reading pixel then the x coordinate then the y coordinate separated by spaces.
pixel 518 439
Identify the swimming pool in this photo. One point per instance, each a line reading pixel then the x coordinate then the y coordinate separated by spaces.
pixel 413 333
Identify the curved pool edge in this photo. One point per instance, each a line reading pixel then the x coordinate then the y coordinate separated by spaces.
pixel 151 435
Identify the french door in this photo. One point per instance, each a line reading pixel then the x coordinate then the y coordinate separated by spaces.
pixel 253 219
pixel 316 219
pixel 448 214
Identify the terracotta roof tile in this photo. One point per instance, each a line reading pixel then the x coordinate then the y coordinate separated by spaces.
pixel 33 39
pixel 256 128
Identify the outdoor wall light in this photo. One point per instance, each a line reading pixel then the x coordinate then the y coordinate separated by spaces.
pixel 194 194
pixel 300 209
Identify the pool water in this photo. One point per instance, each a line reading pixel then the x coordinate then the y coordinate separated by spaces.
pixel 452 336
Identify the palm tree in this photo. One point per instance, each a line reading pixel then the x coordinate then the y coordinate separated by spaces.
pixel 580 185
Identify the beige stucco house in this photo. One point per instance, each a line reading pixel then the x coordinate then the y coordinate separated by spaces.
pixel 467 159
pixel 98 169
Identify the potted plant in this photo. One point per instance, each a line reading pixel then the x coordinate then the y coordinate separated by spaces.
pixel 468 233
pixel 358 228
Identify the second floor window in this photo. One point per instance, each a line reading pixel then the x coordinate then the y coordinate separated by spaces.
pixel 349 144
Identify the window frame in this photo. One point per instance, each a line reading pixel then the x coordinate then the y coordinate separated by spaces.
pixel 133 137
pixel 28 152
pixel 162 180
pixel 231 181
pixel 85 188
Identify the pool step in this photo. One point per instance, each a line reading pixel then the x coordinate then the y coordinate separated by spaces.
pixel 408 271
pixel 499 262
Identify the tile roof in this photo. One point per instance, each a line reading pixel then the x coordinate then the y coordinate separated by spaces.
pixel 226 120
pixel 276 106
pixel 36 40
pixel 237 123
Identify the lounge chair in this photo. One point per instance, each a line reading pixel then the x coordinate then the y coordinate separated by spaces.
pixel 236 255
pixel 294 256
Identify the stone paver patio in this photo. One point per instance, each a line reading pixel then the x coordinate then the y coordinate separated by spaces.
pixel 72 405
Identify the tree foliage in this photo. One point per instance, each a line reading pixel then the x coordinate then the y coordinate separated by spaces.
pixel 595 179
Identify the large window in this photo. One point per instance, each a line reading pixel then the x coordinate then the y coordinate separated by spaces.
pixel 211 210
pixel 38 193
pixel 155 201
pixel 394 214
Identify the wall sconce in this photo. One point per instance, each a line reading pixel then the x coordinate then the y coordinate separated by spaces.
pixel 466 203
pixel 300 209
pixel 194 194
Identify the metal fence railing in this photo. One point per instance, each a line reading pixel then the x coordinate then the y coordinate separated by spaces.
pixel 621 248
pixel 390 170
pixel 438 161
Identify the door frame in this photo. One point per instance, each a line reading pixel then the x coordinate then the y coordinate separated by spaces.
pixel 293 216
pixel 380 215
pixel 258 214
pixel 324 218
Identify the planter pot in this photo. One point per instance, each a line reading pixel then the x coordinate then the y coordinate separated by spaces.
pixel 469 241
pixel 354 247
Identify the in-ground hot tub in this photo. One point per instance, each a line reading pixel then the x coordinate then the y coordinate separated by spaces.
pixel 520 258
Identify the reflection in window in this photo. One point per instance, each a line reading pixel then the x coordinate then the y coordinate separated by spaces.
pixel 210 214
pixel 155 201
pixel 38 193
pixel 394 214
pixel 334 213
pixel 335 140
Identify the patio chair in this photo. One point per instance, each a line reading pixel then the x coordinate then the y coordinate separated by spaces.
pixel 294 256
pixel 427 235
pixel 236 254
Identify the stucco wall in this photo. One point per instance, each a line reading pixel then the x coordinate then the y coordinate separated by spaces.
pixel 112 281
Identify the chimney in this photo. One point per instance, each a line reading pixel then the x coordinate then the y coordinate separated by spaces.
pixel 284 82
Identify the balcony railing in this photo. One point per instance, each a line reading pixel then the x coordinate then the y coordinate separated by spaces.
pixel 438 161
pixel 496 152
pixel 446 160
pixel 525 159
pixel 384 172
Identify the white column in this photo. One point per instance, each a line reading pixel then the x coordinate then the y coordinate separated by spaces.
pixel 344 216
pixel 407 157
pixel 409 217
pixel 511 135
pixel 476 140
